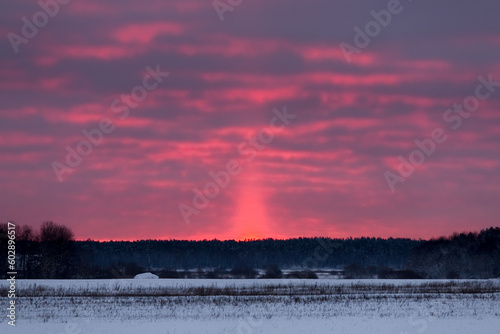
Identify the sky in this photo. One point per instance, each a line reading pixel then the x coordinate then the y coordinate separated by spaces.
pixel 236 119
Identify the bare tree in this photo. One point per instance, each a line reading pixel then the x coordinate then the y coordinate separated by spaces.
pixel 57 250
pixel 3 248
pixel 50 232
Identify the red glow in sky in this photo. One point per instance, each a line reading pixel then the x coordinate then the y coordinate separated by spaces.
pixel 323 174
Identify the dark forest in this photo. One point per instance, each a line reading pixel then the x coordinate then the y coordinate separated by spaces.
pixel 52 253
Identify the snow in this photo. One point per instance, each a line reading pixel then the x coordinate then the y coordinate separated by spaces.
pixel 131 306
pixel 274 326
pixel 146 276
pixel 132 283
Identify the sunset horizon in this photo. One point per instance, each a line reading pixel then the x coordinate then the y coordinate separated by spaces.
pixel 190 120
pixel 239 237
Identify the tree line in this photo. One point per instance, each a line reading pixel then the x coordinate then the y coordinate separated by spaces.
pixel 52 252
pixel 47 253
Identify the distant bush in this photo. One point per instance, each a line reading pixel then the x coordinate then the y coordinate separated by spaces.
pixel 273 271
pixel 245 272
pixel 306 274
pixel 167 273
pixel 388 273
pixel 356 270
pixel 216 273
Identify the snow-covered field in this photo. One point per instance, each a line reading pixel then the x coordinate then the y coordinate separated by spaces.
pixel 254 306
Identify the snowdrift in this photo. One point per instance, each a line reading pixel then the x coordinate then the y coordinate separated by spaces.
pixel 146 276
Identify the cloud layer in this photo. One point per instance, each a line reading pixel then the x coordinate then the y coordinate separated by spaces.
pixel 322 174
